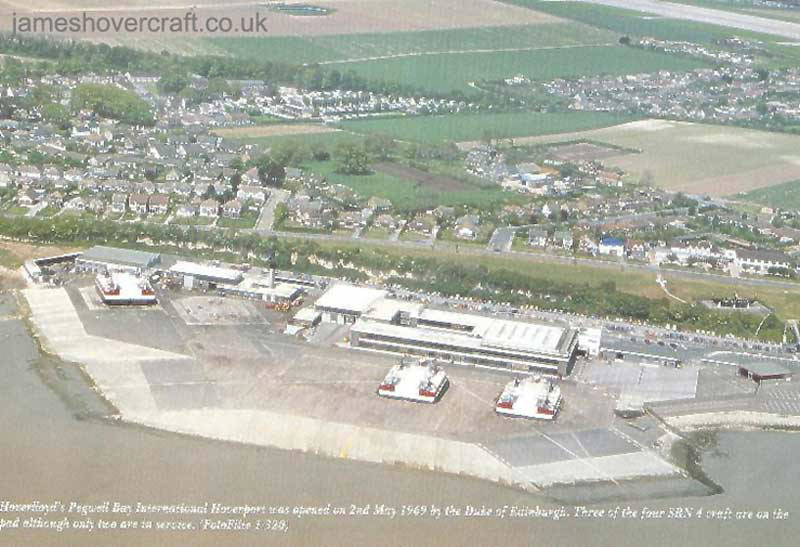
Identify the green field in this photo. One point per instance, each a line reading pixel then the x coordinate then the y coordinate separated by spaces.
pixel 407 194
pixel 469 127
pixel 447 72
pixel 785 196
pixel 445 61
pixel 320 49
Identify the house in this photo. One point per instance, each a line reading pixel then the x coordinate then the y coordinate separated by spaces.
pixel 422 225
pixel 250 177
pixel 172 175
pixel 563 240
pixel 611 246
pixel 55 199
pixel 763 262
pixel 537 237
pixel 186 210
pixel 96 205
pixel 467 227
pixel 232 209
pixel 351 219
pixel 138 203
pixel 386 221
pixel 28 198
pixel 119 203
pixel 209 208
pixel 379 205
pixel 255 193
pixel 75 204
pixel 29 172
pixel 293 174
pixel 158 204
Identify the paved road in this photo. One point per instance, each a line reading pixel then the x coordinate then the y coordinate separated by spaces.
pixel 742 21
pixel 267 217
pixel 544 257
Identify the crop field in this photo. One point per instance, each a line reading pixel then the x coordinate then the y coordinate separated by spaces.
pixel 697 158
pixel 407 189
pixel 343 48
pixel 464 127
pixel 785 196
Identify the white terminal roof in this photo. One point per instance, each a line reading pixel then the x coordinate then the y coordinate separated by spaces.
pixel 519 336
pixel 467 341
pixel 385 309
pixel 349 298
pixel 211 272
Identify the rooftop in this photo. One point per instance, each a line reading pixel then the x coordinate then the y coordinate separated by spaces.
pixel 204 271
pixel 350 298
pixel 126 257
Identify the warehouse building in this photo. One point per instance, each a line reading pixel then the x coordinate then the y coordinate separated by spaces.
pixel 100 259
pixel 344 304
pixel 194 275
pixel 385 324
pixel 755 367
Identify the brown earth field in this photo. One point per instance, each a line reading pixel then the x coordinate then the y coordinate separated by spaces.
pixel 436 182
pixel 348 17
pixel 276 130
pixel 692 157
pixel 27 251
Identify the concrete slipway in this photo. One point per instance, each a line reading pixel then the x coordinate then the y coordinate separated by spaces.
pixel 117 370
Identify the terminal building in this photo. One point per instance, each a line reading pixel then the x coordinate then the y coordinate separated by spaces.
pixel 396 326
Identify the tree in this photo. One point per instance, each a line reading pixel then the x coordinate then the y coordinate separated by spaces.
pixel 380 147
pixel 56 114
pixel 351 159
pixel 172 82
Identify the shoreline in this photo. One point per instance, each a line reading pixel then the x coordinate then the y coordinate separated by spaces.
pixel 121 384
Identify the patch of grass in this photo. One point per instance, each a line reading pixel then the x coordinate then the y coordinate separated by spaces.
pixel 9 259
pixel 192 221
pixel 406 194
pixel 785 196
pixel 469 127
pixel 246 221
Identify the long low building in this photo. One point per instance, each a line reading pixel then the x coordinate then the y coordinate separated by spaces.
pixel 193 274
pixel 100 259
pixel 411 328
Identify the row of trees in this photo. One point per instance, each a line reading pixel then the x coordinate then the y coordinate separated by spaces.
pixel 112 102
pixel 429 273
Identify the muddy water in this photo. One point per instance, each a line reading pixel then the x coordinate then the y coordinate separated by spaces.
pixel 57 444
